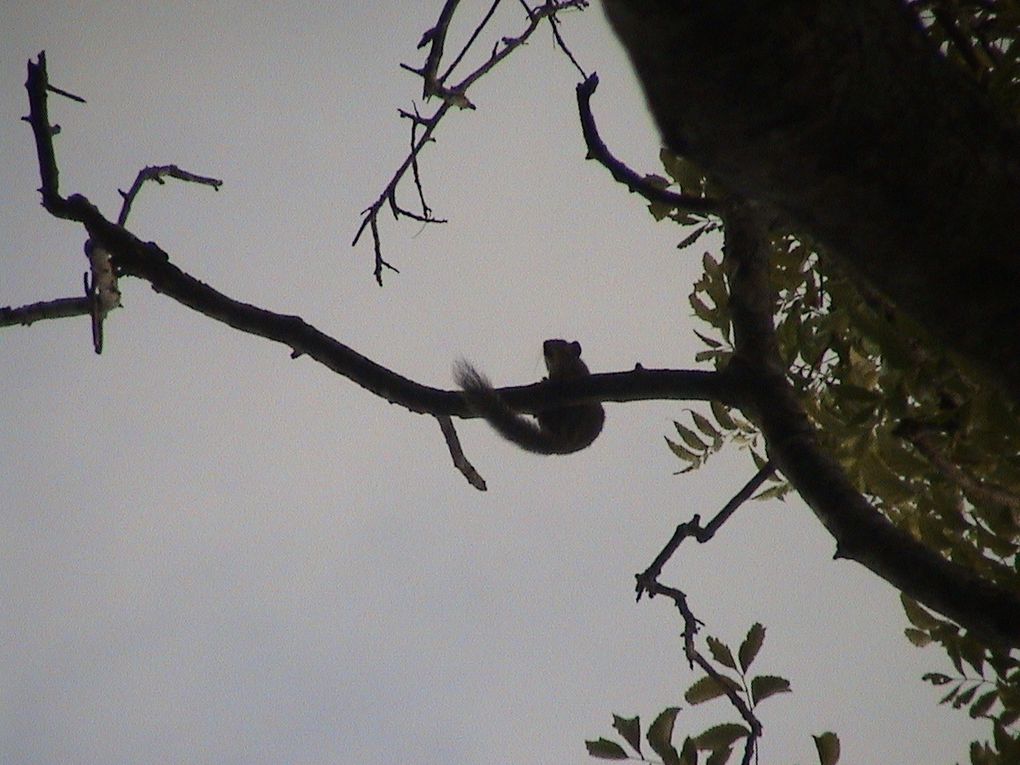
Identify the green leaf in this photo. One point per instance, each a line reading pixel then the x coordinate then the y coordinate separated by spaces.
pixel 685 454
pixel 689 752
pixel 721 652
pixel 827 745
pixel 717 357
pixel 953 652
pixel 704 425
pixel 660 736
pixel 764 686
pixel 690 437
pixel 980 707
pixel 682 170
pixel 950 696
pixel 719 756
pixel 702 311
pixel 1008 717
pixel 918 616
pixel 604 749
pixel 974 655
pixel 707 688
pixel 721 736
pixel 660 210
pixel 963 699
pixel 751 645
pixel 710 343
pixel 692 237
pixel 630 729
pixel 722 414
pixel 917 637
pixel 773 492
pixel 712 267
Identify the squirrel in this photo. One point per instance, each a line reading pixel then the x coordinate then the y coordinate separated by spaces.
pixel 555 431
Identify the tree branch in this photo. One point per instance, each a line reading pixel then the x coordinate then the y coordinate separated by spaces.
pixel 694 529
pixel 146 260
pixel 598 151
pixel 451 95
pixel 60 308
pixel 861 532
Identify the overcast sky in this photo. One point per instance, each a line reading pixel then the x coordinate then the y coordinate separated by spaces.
pixel 211 553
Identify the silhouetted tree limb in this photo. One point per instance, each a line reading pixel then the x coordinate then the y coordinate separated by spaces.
pixel 146 260
pixel 598 151
pixel 861 532
pixel 755 381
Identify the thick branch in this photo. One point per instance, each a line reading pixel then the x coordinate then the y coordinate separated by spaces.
pixel 861 532
pixel 147 261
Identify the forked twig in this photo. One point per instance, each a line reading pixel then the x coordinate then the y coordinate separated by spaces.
pixel 436 85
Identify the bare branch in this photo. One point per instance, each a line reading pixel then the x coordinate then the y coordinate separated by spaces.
pixel 598 151
pixel 435 38
pixel 457 453
pixel 37 84
pixel 693 528
pixel 370 215
pixel 157 173
pixel 61 308
pixel 435 85
pixel 65 94
pixel 471 40
pixel 146 260
pixel 510 44
pixel 562 45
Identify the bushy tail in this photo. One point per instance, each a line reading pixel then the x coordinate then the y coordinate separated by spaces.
pixel 512 425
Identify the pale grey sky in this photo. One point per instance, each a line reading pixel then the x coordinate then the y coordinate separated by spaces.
pixel 210 553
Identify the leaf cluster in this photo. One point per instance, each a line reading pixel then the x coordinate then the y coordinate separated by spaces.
pixel 980 38
pixel 986 683
pixel 730 676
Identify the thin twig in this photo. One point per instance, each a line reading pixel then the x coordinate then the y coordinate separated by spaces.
pixel 65 94
pixel 457 453
pixel 694 529
pixel 456 95
pixel 510 44
pixel 471 41
pixel 157 173
pixel 435 38
pixel 562 44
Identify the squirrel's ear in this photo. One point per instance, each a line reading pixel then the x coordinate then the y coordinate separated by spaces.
pixel 576 348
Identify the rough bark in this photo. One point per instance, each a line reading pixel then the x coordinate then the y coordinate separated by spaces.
pixel 843 121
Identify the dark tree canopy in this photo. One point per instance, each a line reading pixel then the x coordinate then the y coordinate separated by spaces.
pixel 843 119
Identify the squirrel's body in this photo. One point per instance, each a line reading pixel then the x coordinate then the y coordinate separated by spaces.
pixel 554 431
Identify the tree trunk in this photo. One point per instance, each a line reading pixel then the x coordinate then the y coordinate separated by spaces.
pixel 841 119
